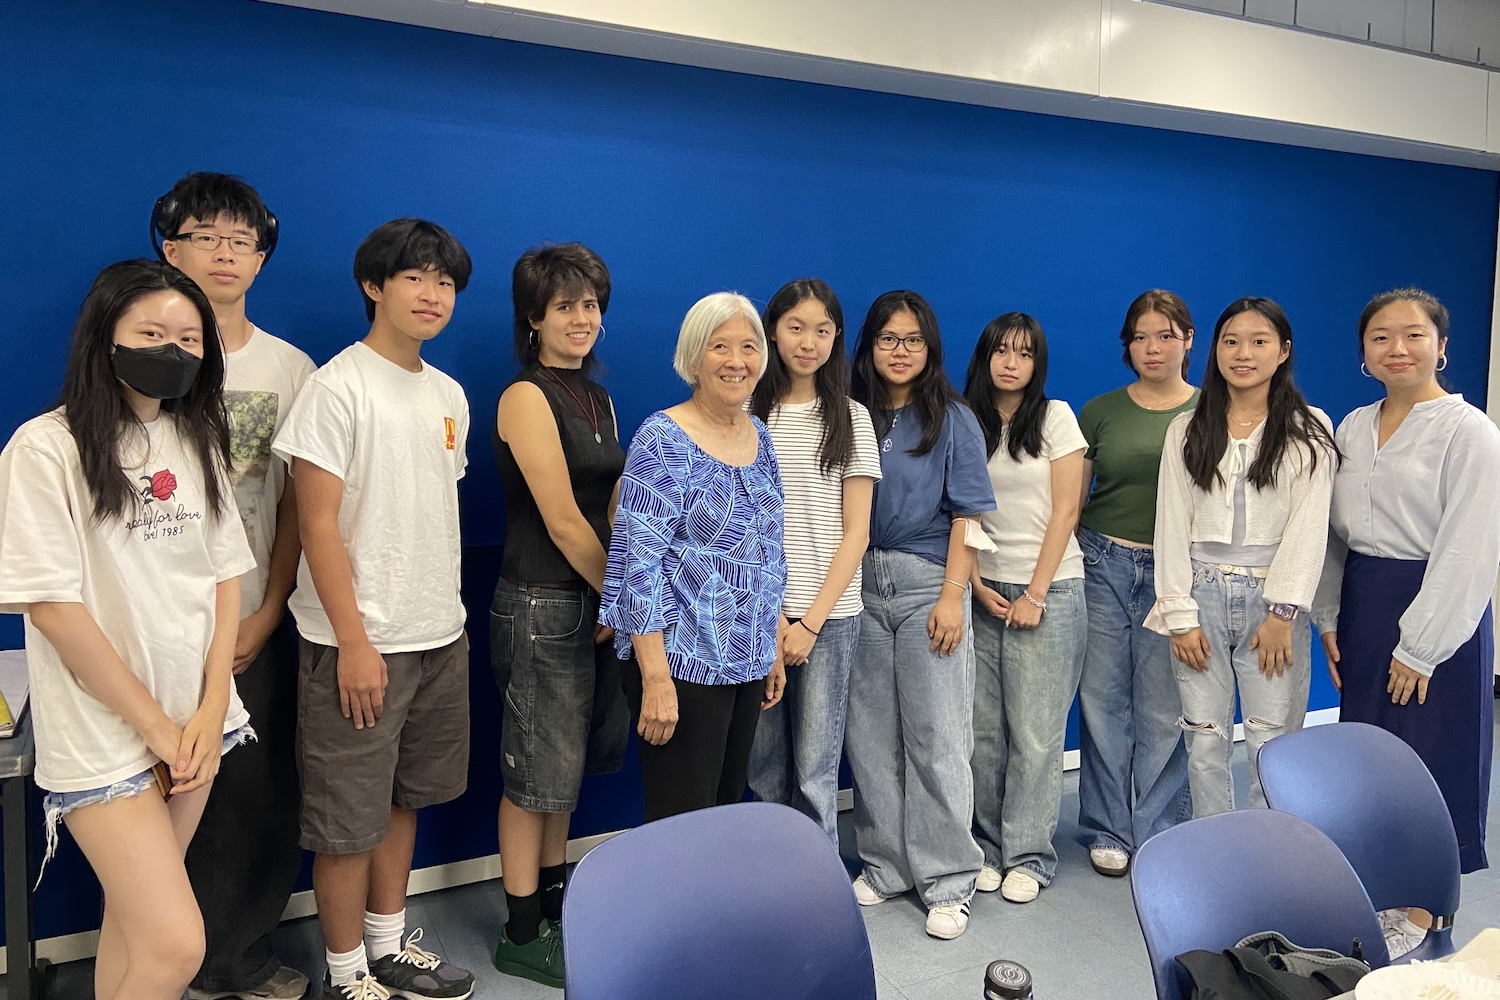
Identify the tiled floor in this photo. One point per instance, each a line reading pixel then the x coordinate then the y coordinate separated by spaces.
pixel 1079 939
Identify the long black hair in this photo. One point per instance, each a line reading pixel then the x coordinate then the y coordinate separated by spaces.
pixel 1015 331
pixel 98 414
pixel 930 392
pixel 1289 421
pixel 831 380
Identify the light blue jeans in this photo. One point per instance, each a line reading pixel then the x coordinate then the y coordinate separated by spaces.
pixel 1025 682
pixel 1230 611
pixel 910 736
pixel 1133 783
pixel 795 757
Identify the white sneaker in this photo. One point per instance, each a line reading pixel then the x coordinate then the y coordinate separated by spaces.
pixel 948 921
pixel 1401 935
pixel 988 880
pixel 865 893
pixel 1111 861
pixel 1020 886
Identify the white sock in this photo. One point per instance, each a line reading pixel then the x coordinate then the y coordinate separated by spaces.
pixel 343 968
pixel 383 933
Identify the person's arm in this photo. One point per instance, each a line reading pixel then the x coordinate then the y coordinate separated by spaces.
pixel 800 638
pixel 1086 486
pixel 945 625
pixel 526 423
pixel 203 736
pixel 637 599
pixel 281 575
pixel 89 655
pixel 1295 569
pixel 1067 472
pixel 361 669
pixel 1176 612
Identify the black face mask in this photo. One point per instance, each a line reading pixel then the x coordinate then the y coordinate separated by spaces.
pixel 162 372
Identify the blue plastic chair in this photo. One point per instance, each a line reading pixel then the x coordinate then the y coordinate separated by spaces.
pixel 1374 797
pixel 1208 883
pixel 739 901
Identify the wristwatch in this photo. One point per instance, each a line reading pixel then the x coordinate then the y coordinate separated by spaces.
pixel 1286 612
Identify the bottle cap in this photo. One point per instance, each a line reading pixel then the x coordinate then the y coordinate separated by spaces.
pixel 1006 980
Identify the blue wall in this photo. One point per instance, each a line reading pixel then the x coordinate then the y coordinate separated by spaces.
pixel 686 181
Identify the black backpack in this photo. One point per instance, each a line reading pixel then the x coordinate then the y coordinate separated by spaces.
pixel 1269 967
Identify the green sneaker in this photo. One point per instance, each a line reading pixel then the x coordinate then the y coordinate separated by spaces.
pixel 541 960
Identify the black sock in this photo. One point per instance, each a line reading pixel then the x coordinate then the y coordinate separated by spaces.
pixel 525 917
pixel 552 879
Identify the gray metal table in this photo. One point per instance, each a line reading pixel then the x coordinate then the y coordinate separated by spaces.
pixel 23 973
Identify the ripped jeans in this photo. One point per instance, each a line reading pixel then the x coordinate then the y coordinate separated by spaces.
pixel 1230 611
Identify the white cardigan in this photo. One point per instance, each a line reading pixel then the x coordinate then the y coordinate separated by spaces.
pixel 1292 515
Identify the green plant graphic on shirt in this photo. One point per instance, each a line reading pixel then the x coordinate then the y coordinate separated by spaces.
pixel 252 425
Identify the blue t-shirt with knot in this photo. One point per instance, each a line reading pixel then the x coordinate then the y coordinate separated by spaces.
pixel 919 495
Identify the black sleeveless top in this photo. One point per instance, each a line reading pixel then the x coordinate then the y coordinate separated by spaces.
pixel 593 467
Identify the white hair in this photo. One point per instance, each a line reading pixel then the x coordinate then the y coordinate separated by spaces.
pixel 707 315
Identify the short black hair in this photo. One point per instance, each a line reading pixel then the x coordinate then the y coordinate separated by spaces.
pixel 540 275
pixel 406 245
pixel 206 196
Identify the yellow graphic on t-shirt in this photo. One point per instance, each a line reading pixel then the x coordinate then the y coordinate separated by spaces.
pixel 450 433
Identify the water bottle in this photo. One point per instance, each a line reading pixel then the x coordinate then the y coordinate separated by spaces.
pixel 1006 980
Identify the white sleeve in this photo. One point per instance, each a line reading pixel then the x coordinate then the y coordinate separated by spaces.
pixel 1295 569
pixel 865 459
pixel 40 558
pixel 319 429
pixel 228 548
pixel 461 445
pixel 1061 435
pixel 1460 576
pixel 1175 608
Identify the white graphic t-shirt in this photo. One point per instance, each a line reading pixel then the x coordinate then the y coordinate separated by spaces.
pixel 260 381
pixel 397 439
pixel 147 578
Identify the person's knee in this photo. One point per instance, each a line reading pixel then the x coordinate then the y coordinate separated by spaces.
pixel 175 954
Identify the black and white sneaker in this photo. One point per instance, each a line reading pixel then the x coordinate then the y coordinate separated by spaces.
pixel 948 921
pixel 364 987
pixel 418 974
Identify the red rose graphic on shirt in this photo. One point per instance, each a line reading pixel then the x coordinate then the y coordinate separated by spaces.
pixel 160 486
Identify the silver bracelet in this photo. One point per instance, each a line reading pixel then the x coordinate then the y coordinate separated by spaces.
pixel 1034 602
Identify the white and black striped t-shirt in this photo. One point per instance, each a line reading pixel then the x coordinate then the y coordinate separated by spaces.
pixel 815 500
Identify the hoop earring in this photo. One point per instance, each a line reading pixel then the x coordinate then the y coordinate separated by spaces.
pixel 1442 362
pixel 1364 371
pixel 535 341
pixel 601 333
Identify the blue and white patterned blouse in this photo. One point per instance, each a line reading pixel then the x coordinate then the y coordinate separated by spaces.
pixel 696 554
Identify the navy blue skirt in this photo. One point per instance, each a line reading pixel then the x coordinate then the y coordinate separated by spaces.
pixel 1453 732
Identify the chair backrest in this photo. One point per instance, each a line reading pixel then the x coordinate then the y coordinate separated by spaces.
pixel 1210 882
pixel 1374 797
pixel 739 901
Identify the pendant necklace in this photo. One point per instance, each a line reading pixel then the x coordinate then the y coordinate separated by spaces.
pixel 885 445
pixel 592 413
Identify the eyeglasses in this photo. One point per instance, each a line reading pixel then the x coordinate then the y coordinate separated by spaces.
pixel 916 343
pixel 211 241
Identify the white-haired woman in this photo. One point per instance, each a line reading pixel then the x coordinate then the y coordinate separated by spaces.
pixel 697 570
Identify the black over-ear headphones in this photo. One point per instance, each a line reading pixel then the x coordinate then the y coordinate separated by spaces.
pixel 166 207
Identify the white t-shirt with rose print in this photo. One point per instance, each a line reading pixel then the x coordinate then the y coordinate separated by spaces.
pixel 148 579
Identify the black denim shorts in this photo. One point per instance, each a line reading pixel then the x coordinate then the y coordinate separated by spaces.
pixel 565 713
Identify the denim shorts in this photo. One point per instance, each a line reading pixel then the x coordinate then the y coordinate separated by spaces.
pixel 56 805
pixel 565 713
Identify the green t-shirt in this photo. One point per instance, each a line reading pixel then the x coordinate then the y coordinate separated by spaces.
pixel 1125 442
